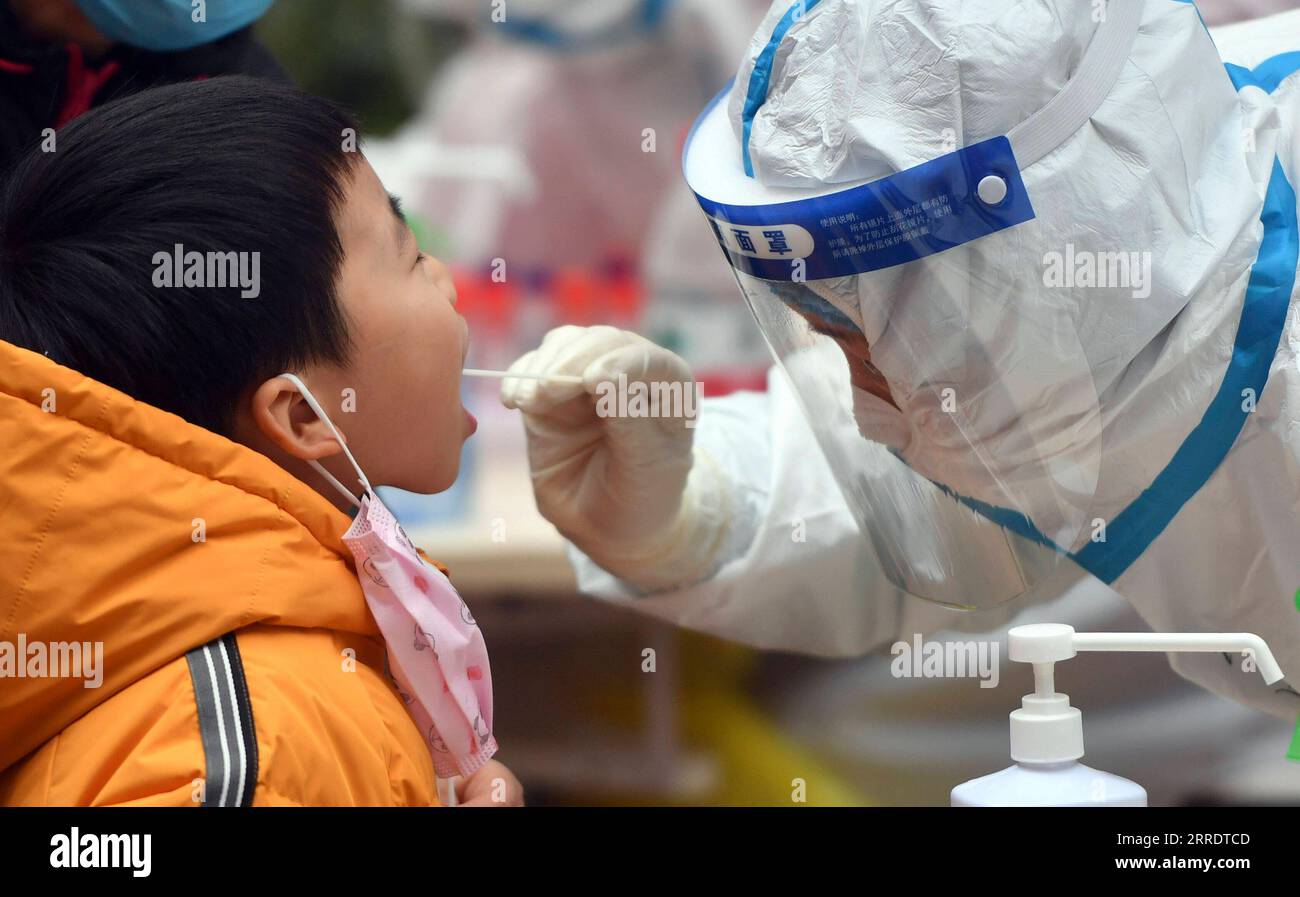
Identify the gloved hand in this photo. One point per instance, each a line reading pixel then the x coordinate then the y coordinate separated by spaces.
pixel 628 491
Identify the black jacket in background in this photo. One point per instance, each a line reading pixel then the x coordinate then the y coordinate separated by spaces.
pixel 36 90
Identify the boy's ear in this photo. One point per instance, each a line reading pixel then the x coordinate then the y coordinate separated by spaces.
pixel 283 416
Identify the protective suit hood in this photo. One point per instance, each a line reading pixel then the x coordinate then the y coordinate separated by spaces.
pixel 1031 212
pixel 923 78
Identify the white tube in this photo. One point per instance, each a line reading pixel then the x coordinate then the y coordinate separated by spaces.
pixel 523 375
pixel 1184 641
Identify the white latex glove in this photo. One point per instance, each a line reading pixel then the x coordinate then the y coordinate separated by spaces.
pixel 628 491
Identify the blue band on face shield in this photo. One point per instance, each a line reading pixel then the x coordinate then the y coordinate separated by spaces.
pixel 898 219
pixel 170 25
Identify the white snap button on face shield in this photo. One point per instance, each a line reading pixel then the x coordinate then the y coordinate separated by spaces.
pixel 992 190
pixel 992 484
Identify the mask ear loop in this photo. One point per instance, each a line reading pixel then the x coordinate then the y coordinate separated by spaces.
pixel 320 468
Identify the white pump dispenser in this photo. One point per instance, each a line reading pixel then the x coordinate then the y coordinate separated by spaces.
pixel 1047 733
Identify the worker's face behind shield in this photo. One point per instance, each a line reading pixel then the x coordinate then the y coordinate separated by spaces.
pixel 963 433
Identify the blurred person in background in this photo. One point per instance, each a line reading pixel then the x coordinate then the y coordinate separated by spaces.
pixel 59 58
pixel 594 96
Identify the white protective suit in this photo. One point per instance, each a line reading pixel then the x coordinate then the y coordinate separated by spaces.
pixel 1228 560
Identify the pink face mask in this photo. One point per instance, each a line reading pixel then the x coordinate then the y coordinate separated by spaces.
pixel 436 653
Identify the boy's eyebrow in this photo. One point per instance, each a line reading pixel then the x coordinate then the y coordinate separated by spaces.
pixel 403 232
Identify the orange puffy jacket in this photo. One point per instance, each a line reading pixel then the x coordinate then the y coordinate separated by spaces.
pixel 240 664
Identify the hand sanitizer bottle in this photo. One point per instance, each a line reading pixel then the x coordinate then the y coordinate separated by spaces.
pixel 1047 733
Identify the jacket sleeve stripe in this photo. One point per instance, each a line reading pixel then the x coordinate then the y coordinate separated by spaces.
pixel 244 730
pixel 225 723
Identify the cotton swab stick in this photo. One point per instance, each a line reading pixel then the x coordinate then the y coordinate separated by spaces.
pixel 524 375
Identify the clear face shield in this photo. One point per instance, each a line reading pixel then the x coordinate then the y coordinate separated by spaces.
pixel 948 390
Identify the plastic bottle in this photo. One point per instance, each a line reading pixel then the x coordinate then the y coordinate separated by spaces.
pixel 1047 733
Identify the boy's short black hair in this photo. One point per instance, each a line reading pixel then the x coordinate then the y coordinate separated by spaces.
pixel 231 164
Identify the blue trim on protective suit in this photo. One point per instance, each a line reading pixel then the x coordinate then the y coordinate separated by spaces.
pixel 761 75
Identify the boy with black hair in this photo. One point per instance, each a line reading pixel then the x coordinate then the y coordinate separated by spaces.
pixel 161 522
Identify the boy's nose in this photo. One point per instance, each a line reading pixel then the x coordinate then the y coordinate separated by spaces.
pixel 442 274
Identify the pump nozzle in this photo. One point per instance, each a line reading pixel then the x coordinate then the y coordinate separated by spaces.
pixel 1046 729
pixel 1046 643
pixel 1190 641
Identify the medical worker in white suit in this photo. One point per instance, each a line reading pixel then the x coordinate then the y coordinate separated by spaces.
pixel 1029 273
